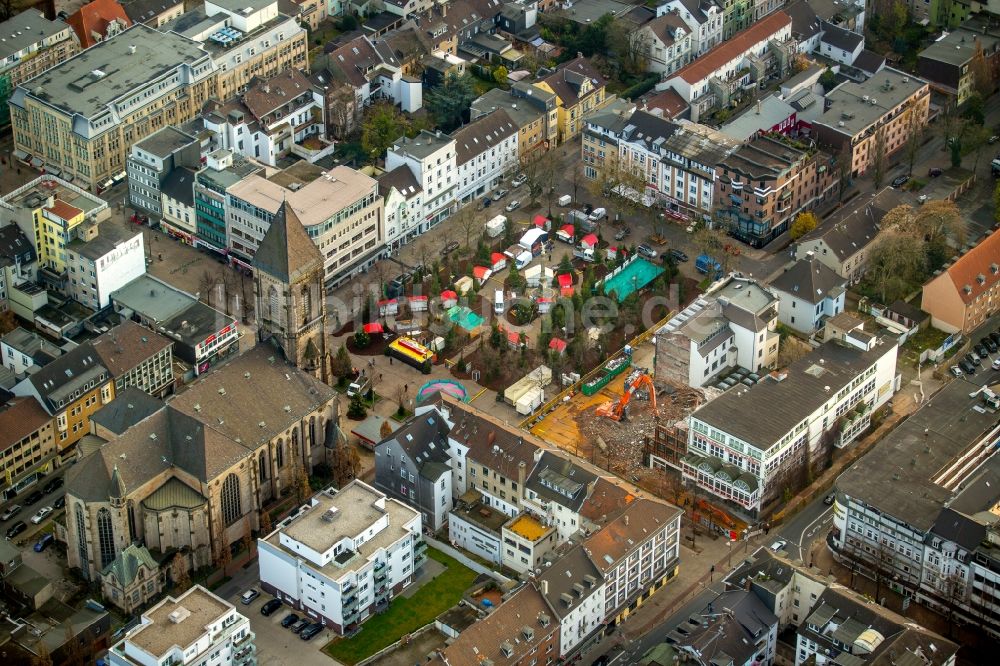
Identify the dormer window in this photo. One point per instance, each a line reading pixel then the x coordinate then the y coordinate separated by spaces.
pixel 981 279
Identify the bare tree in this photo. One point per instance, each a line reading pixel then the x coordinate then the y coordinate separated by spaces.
pixel 467 223
pixel 179 572
pixel 205 285
pixel 982 76
pixel 895 264
pixel 845 171
pixel 247 298
pixel 914 138
pixel 630 46
pixel 878 158
pixel 228 281
pixel 540 170
pixel 223 558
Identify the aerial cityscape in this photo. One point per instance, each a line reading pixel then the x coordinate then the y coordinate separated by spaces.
pixel 499 332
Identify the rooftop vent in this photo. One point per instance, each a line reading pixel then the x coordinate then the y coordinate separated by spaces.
pixel 179 615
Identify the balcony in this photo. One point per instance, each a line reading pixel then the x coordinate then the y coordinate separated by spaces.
pixel 419 547
pixel 381 577
pixel 379 565
pixel 419 559
pixel 248 637
pixel 351 602
pixel 351 616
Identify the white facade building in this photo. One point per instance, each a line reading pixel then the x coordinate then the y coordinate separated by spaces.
pixel 432 159
pixel 574 588
pixel 104 264
pixel 486 150
pixel 668 43
pixel 196 628
pixel 402 206
pixel 810 292
pixel 344 556
pixel 703 17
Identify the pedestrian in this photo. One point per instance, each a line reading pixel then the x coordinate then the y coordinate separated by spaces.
pixel 406 388
pixel 390 360
pixel 380 376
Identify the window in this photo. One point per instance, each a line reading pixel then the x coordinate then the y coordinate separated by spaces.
pixel 81 537
pixel 105 537
pixel 263 466
pixel 231 500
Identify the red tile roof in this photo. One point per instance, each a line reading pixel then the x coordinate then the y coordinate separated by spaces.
pixel 18 419
pixel 730 50
pixel 978 269
pixel 94 17
pixel 627 532
pixel 63 210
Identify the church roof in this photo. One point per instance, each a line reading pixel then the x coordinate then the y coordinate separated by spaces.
pixel 287 252
pixel 174 494
pixel 126 566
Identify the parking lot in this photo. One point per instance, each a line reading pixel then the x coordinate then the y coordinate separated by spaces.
pixel 276 645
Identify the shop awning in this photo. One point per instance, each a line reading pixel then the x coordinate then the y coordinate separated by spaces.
pixel 21 155
pixel 37 162
pixel 374 327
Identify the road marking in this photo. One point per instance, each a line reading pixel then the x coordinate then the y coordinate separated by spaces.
pixel 808 531
pixel 473 398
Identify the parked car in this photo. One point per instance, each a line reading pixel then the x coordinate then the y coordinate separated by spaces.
pixel 300 625
pixel 310 631
pixel 987 342
pixel 955 370
pixel 678 255
pixel 10 512
pixel 934 172
pixel 899 181
pixel 996 364
pixel 967 367
pixel 972 358
pixel 16 529
pixel 512 206
pixel 289 620
pixel 53 485
pixel 980 350
pixel 450 247
pixel 828 500
pixel 499 194
pixel 247 597
pixel 780 544
pixel 40 515
pixel 270 607
pixel 995 337
pixel 33 498
pixel 646 251
pixel 60 502
pixel 622 233
pixel 597 214
pixel 43 543
pixel 487 202
pixel 519 180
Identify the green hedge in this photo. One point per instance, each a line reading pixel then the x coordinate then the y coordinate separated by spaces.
pixel 641 88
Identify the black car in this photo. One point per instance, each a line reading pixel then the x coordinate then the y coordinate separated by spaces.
pixel 899 181
pixel 934 172
pixel 16 529
pixel 53 485
pixel 989 344
pixel 678 255
pixel 995 337
pixel 289 620
pixel 270 607
pixel 967 367
pixel 60 502
pixel 980 350
pixel 34 497
pixel 310 631
pixel 300 625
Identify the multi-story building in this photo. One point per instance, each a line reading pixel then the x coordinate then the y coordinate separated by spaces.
pixel 309 12
pixel 51 212
pixel 732 325
pixel 274 118
pixel 872 118
pixel 70 389
pixel 737 15
pixel 340 210
pixel 151 161
pixel 371 67
pixel 637 553
pixel 243 39
pixel 485 151
pixel 966 292
pixel 196 627
pixel 432 159
pixel 761 186
pixel 27 444
pixel 153 13
pixel 720 76
pixel 531 108
pixel 823 400
pixel 845 239
pixel 810 292
pixel 137 357
pixel 31 45
pixel 180 219
pixel 574 588
pixel 82 115
pixel 97 21
pixel 133 579
pixel 580 90
pixel 947 64
pixel 742 632
pixel 668 43
pixel 343 556
pixel 526 540
pixel 101 260
pixel 22 349
pixel 402 206
pixel 17 262
pixel 222 171
pixel 521 631
pixel 703 18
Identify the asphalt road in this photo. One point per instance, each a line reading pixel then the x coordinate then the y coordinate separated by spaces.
pixel 808 525
pixel 28 510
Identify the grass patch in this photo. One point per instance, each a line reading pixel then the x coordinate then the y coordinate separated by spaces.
pixel 927 338
pixel 406 615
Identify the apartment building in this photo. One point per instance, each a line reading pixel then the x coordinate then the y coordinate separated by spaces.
pixel 579 90
pixel 810 292
pixel 531 108
pixel 82 115
pixel 720 75
pixel 966 292
pixel 735 627
pixel 668 42
pixel 102 260
pixel 180 219
pixel 31 45
pixel 222 171
pixel 136 356
pixel 845 239
pixel 748 461
pixel 244 39
pixel 27 444
pixel 344 556
pixel 374 71
pixel 873 117
pixel 637 553
pixel 947 64
pixel 574 589
pixel 432 159
pixel 151 161
pixel 762 185
pixel 732 325
pixel 403 204
pixel 703 18
pixel 97 21
pixel 340 209
pixel 17 262
pixel 276 117
pixel 70 389
pixel 677 161
pixel 22 349
pixel 485 152
pixel 526 541
pixel 195 627
pixel 153 12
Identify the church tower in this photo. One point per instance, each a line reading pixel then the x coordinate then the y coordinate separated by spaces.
pixel 289 292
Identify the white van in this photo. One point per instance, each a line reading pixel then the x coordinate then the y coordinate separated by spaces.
pixel 565 200
pixel 597 214
pixel 498 304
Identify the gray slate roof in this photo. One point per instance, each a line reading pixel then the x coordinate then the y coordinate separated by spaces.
pixel 128 408
pixel 810 280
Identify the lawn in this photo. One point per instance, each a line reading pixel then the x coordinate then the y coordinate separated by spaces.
pixel 406 615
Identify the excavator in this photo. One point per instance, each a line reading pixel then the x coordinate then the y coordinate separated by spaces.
pixel 618 410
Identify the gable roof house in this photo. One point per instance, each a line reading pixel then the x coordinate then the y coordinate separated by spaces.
pixel 809 291
pixel 580 90
pixel 485 151
pixel 372 68
pixel 668 43
pixel 98 20
pixel 966 291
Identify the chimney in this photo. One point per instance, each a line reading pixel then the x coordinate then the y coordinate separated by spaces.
pixel 521 467
pixel 545 587
pixel 626 520
pixel 758 107
pixel 490 438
